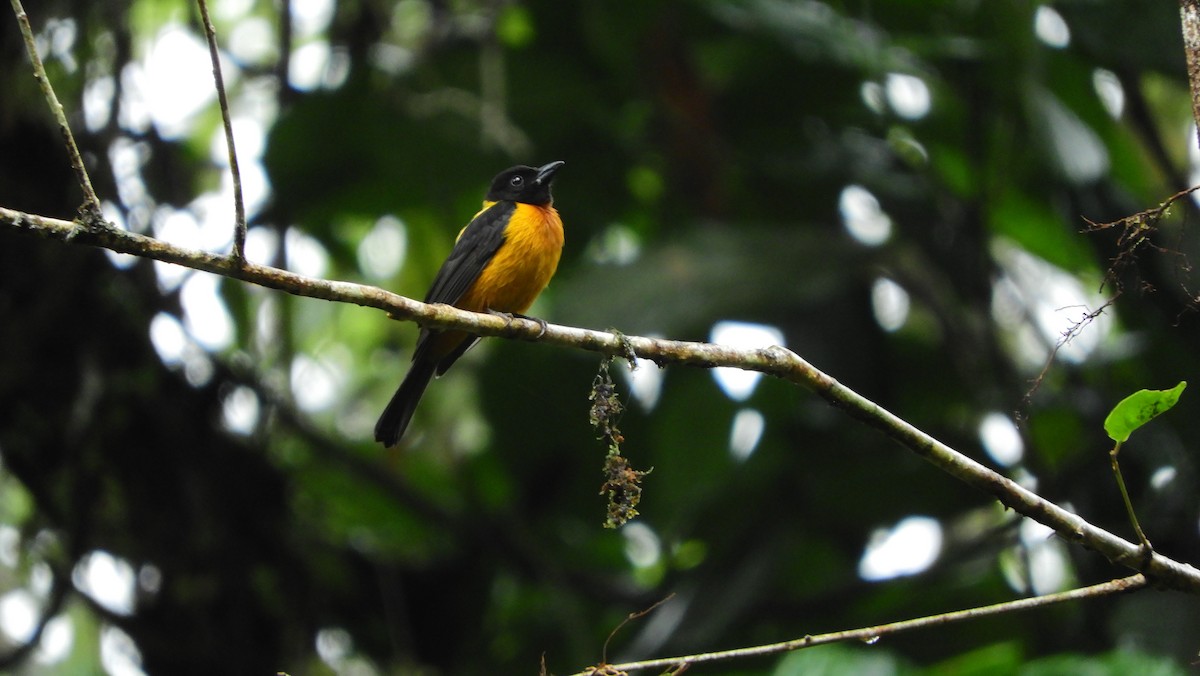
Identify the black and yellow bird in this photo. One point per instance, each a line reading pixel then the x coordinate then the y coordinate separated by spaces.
pixel 500 263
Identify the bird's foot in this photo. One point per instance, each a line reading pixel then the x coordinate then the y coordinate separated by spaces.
pixel 510 316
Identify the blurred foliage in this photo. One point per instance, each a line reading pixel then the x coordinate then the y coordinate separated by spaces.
pixel 721 157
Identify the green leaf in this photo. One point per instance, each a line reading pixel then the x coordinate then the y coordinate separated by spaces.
pixel 1138 409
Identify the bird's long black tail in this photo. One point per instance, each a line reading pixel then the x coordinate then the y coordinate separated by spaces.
pixel 400 409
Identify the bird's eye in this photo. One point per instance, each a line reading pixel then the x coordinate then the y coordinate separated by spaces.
pixel 516 181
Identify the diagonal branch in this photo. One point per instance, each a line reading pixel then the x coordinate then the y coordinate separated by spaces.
pixel 91 204
pixel 775 361
pixel 239 204
pixel 871 634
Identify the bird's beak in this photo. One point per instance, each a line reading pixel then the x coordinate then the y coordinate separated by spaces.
pixel 546 172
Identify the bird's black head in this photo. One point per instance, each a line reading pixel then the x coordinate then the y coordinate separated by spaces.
pixel 530 185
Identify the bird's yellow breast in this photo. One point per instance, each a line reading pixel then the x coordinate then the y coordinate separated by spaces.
pixel 523 265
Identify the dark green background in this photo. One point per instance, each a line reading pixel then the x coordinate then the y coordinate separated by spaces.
pixel 720 134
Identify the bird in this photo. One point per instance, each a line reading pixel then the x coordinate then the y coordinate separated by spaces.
pixel 501 262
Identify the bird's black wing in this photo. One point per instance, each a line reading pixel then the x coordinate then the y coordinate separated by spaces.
pixel 475 248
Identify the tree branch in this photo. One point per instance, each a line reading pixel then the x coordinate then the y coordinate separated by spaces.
pixel 91 204
pixel 775 361
pixel 239 204
pixel 871 634
pixel 1189 15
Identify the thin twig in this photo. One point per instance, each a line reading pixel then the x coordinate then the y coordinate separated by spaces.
pixel 90 211
pixel 775 361
pixel 1137 527
pixel 283 67
pixel 239 205
pixel 1136 226
pixel 870 635
pixel 629 618
pixel 1136 233
pixel 1065 337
